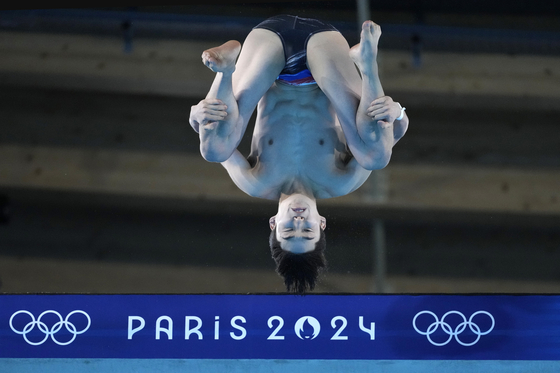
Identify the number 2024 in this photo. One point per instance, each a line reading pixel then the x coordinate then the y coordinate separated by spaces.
pixel 338 336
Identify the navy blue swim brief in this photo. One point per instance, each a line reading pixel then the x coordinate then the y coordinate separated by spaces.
pixel 294 32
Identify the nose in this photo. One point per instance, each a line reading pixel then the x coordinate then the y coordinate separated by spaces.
pixel 299 218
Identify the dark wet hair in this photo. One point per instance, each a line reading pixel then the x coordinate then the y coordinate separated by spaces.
pixel 300 271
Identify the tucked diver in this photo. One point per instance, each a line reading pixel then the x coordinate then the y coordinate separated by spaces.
pixel 321 127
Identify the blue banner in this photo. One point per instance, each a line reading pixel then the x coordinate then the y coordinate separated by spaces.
pixel 354 327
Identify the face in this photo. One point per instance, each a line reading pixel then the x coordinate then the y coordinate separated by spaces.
pixel 298 224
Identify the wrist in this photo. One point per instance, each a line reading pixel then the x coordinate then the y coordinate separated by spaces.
pixel 401 116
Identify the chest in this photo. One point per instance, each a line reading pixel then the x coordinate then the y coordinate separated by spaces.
pixel 295 125
pixel 297 139
pixel 292 153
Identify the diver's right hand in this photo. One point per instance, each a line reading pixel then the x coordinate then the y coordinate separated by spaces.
pixel 207 113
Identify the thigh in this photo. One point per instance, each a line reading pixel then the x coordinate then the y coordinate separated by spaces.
pixel 260 62
pixel 329 61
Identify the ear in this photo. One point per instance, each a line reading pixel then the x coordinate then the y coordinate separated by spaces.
pixel 323 223
pixel 272 222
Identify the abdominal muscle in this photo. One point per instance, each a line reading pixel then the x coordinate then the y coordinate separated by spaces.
pixel 297 141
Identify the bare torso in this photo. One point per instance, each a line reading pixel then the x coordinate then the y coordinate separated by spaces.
pixel 298 143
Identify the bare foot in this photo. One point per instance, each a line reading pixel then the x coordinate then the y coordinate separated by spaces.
pixel 222 59
pixel 364 54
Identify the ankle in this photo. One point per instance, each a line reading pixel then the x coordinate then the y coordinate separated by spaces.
pixel 227 73
pixel 370 71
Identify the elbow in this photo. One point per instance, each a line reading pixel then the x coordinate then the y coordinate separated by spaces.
pixel 213 155
pixel 213 158
pixel 376 161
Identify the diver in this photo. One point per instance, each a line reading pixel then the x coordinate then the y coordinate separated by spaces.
pixel 321 127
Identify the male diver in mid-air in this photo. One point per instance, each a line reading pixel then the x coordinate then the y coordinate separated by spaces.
pixel 321 127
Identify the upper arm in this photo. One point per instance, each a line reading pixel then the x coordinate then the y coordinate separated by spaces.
pixel 356 174
pixel 242 174
pixel 347 178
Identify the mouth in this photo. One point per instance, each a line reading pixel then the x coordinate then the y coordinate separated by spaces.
pixel 298 210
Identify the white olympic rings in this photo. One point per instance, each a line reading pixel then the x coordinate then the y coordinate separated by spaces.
pixel 53 330
pixel 458 329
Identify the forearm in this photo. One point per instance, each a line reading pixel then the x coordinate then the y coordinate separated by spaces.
pixel 375 152
pixel 213 146
pixel 399 128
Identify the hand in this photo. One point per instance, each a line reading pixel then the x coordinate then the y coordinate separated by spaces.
pixel 207 113
pixel 384 110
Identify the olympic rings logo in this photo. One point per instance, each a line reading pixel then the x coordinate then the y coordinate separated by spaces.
pixel 454 333
pixel 50 332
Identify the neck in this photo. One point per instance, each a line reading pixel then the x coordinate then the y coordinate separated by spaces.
pixel 297 188
pixel 284 197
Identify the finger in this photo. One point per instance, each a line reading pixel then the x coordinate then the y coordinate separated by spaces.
pixel 211 117
pixel 380 113
pixel 216 108
pixel 210 125
pixel 208 106
pixel 218 115
pixel 214 101
pixel 386 118
pixel 374 108
pixel 383 124
pixel 379 100
pixel 211 111
pixel 208 118
pixel 377 106
pixel 214 104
